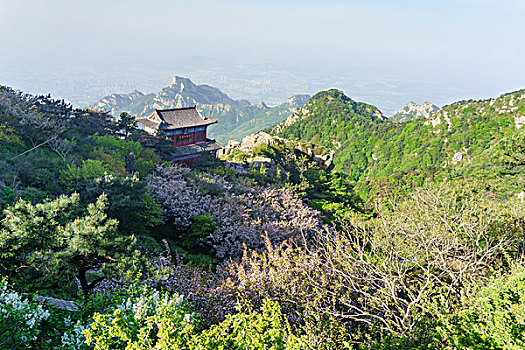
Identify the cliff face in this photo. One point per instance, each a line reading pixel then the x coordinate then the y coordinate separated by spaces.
pixel 413 111
pixel 237 118
pixel 114 102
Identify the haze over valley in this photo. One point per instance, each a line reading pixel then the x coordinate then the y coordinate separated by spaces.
pixel 382 52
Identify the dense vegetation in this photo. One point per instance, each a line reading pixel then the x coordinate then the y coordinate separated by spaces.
pixel 106 245
pixel 369 149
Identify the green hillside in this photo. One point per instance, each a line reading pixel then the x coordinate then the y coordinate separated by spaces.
pixel 369 148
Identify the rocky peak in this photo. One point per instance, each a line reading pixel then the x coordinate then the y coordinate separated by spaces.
pixel 413 111
pixel 246 150
pixel 182 84
pixel 135 94
pixel 297 101
pixel 262 105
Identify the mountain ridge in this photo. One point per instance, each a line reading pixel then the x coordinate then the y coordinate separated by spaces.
pixel 369 148
pixel 237 118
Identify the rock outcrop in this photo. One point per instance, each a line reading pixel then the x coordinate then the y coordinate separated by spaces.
pixel 246 152
pixel 413 111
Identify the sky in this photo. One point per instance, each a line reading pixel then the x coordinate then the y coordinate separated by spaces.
pixel 388 52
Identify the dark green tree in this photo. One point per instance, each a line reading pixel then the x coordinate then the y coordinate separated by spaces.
pixel 48 245
pixel 128 201
pixel 126 124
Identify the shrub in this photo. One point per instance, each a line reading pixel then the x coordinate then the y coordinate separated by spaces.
pixel 149 319
pixel 491 317
pixel 204 291
pixel 249 329
pixel 382 278
pixel 20 319
pixel 302 282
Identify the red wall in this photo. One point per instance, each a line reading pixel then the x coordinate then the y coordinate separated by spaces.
pixel 188 139
pixel 200 136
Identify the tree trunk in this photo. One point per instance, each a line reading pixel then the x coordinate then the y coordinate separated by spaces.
pixel 87 287
pixel 83 281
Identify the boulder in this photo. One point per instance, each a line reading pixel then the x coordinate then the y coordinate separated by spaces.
pixel 262 160
pixel 457 157
pixel 326 161
pixel 233 144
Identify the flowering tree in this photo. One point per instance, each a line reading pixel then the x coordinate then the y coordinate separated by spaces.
pixel 148 320
pixel 243 214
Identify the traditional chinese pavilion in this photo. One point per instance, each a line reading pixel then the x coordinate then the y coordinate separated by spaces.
pixel 186 127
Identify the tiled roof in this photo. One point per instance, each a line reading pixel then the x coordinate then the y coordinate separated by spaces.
pixel 152 124
pixel 177 118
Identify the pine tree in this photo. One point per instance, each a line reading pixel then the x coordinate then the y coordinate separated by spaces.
pixel 46 245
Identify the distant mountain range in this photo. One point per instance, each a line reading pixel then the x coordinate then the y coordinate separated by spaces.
pixel 237 118
pixel 413 111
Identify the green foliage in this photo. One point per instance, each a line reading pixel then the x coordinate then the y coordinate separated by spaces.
pixel 146 320
pixel 125 156
pixel 128 202
pixel 149 319
pixel 7 134
pixel 74 177
pixel 7 196
pixel 501 167
pixel 250 329
pixel 47 245
pixel 147 162
pixel 125 152
pixel 200 229
pixel 490 317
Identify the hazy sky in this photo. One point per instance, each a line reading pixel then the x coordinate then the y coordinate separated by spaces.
pixel 475 46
